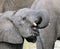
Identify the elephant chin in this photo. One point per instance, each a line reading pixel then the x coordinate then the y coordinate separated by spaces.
pixel 31 39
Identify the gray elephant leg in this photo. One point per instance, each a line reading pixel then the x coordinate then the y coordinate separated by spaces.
pixel 39 46
pixel 48 37
pixel 10 46
pixel 45 45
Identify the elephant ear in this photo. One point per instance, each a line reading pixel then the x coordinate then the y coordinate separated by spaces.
pixel 8 32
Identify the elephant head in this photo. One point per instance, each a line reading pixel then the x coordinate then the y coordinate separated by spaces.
pixel 28 21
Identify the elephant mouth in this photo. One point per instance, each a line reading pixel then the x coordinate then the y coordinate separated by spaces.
pixel 35 31
pixel 33 37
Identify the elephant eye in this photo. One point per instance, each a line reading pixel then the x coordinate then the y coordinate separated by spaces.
pixel 24 18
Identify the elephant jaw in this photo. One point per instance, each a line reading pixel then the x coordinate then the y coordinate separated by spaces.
pixel 34 35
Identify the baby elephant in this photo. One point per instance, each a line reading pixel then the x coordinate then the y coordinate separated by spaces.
pixel 15 26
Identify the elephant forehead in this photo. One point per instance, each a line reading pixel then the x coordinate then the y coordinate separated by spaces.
pixel 26 11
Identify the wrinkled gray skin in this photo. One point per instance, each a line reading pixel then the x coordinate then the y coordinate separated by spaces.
pixel 6 5
pixel 14 26
pixel 49 34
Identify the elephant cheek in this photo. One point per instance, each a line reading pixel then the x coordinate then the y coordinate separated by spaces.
pixel 31 39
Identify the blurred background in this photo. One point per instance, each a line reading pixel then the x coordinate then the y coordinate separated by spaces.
pixel 33 45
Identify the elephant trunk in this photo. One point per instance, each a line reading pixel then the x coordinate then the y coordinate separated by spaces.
pixel 43 19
